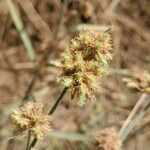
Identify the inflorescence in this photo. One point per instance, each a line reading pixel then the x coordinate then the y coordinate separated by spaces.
pixel 83 62
pixel 139 80
pixel 31 117
pixel 108 139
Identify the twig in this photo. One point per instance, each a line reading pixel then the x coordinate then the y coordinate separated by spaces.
pixel 132 114
pixel 52 110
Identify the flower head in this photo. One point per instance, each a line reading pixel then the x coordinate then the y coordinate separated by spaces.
pixel 31 117
pixel 86 59
pixel 93 45
pixel 108 140
pixel 139 80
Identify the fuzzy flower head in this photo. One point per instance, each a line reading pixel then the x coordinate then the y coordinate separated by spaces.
pixel 31 117
pixel 139 80
pixel 86 59
pixel 107 139
pixel 93 45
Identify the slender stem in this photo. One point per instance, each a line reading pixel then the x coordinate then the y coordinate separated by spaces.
pixel 30 86
pixel 33 143
pixel 28 140
pixel 135 121
pixel 132 114
pixel 52 110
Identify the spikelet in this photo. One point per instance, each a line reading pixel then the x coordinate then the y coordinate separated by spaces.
pixel 107 139
pixel 93 44
pixel 31 117
pixel 86 59
pixel 139 80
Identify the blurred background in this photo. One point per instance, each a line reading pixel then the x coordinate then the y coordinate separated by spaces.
pixel 33 32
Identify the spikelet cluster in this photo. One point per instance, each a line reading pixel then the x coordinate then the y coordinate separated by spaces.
pixel 139 80
pixel 31 117
pixel 108 140
pixel 86 59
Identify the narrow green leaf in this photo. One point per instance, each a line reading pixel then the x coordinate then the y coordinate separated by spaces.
pixel 72 136
pixel 21 29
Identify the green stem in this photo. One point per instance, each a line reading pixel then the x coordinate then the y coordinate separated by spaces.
pixel 16 18
pixel 28 140
pixel 30 87
pixel 52 110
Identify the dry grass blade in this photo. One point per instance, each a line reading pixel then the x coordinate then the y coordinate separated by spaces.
pixel 132 125
pixel 53 28
pixel 35 18
pixel 136 120
pixel 20 27
pixel 3 21
pixel 132 114
pixel 131 24
pixel 112 6
pixel 71 136
pixel 61 17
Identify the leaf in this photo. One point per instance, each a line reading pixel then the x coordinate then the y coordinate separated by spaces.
pixel 71 136
pixel 14 12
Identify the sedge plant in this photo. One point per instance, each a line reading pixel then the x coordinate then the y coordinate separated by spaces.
pixel 85 60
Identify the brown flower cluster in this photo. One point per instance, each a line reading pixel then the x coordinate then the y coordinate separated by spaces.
pixel 86 59
pixel 108 139
pixel 31 117
pixel 139 80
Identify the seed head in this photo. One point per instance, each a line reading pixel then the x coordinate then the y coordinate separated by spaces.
pixel 31 117
pixel 108 139
pixel 85 60
pixel 139 80
pixel 93 45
